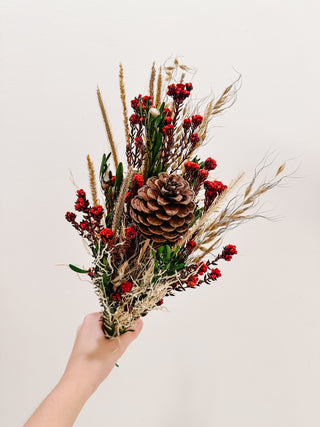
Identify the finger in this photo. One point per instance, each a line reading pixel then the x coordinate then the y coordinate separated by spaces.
pixel 93 322
pixel 128 337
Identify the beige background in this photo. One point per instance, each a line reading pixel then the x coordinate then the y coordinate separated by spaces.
pixel 244 352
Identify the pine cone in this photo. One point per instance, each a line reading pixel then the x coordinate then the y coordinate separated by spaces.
pixel 163 208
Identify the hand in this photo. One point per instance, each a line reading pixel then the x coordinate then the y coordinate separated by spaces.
pixel 93 356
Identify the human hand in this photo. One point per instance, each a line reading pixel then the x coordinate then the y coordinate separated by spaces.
pixel 93 356
pixel 91 360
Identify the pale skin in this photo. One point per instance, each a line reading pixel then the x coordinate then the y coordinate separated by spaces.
pixel 91 360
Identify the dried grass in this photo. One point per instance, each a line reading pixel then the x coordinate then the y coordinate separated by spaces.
pixel 159 87
pixel 118 210
pixel 92 180
pixel 143 297
pixel 124 104
pixel 239 209
pixel 151 81
pixel 108 129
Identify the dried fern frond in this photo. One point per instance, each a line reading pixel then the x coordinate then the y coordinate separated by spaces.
pixel 108 129
pixel 92 180
pixel 124 104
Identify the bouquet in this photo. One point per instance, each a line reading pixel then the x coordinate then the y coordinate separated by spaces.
pixel 163 216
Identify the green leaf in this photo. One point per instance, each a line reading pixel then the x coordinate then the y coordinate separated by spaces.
pixel 105 279
pixel 177 249
pixel 161 108
pixel 119 177
pixel 107 284
pixel 159 168
pixel 77 269
pixel 157 121
pixel 158 143
pixel 167 253
pixel 160 250
pixel 103 163
pixel 110 195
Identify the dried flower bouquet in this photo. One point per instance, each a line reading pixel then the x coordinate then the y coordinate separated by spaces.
pixel 162 217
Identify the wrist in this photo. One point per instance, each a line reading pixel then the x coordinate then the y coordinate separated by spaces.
pixel 78 383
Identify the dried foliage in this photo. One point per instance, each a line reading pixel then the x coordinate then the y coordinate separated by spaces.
pixel 162 217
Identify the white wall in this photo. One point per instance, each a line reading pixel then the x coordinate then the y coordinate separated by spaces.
pixel 244 352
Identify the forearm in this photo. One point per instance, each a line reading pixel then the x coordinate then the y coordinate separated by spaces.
pixel 63 404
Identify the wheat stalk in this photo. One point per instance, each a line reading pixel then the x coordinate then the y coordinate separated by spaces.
pixel 151 81
pixel 108 129
pixel 118 210
pixel 92 180
pixel 124 104
pixel 159 87
pixel 236 211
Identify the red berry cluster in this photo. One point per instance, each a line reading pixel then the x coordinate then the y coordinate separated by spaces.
pixel 168 130
pixel 191 244
pixel 202 270
pixel 135 119
pixel 215 273
pixel 137 182
pixel 213 189
pixel 125 287
pixel 180 91
pixel 106 235
pixel 197 176
pixel 135 149
pixel 131 232
pixel 140 101
pixel 210 164
pixel 90 226
pixel 189 126
pixel 82 202
pixel 191 171
pixel 228 251
pixel 192 281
